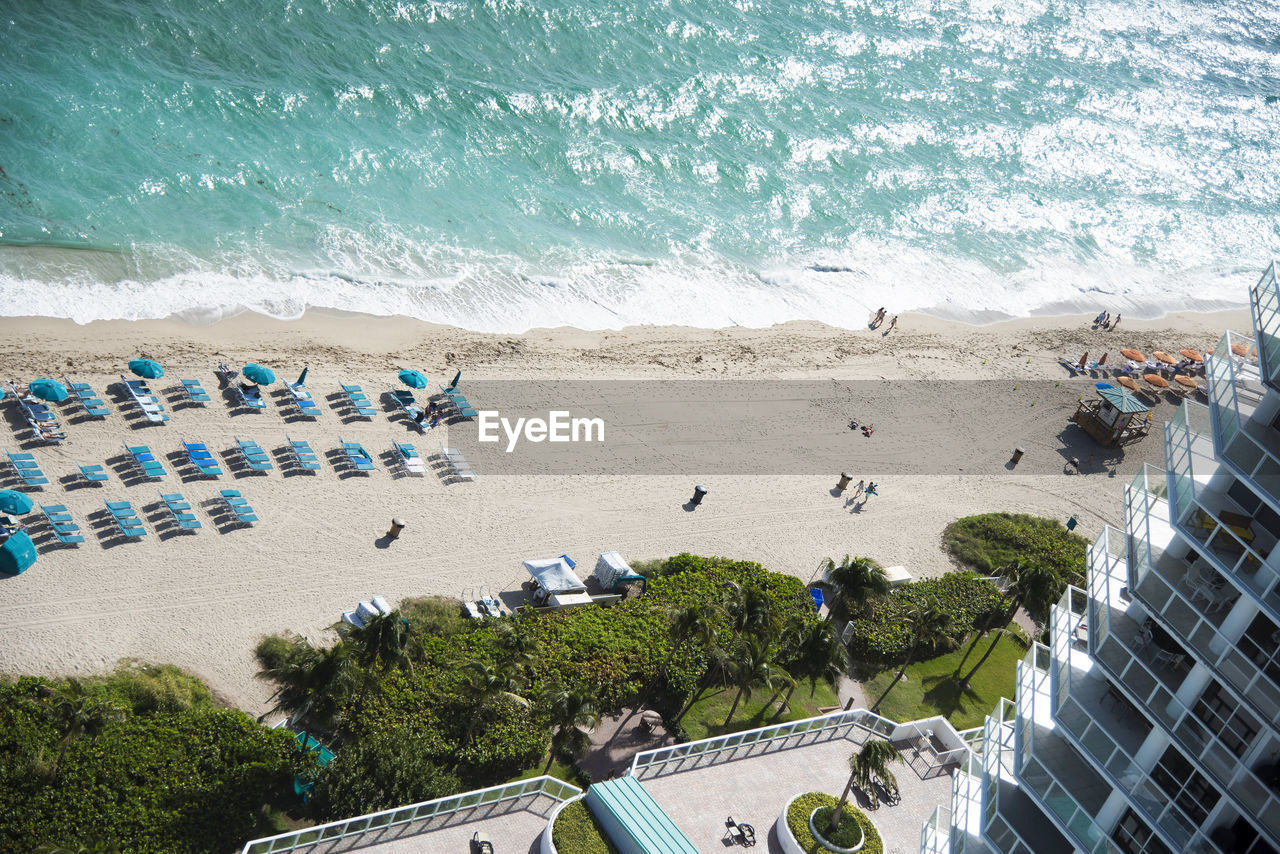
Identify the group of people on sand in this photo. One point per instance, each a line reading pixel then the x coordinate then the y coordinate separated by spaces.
pixel 867 429
pixel 47 430
pixel 879 319
pixel 1104 320
pixel 429 412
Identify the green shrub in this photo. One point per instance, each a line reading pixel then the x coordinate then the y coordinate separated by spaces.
pixel 435 615
pixel 991 541
pixel 798 821
pixel 882 638
pixel 386 770
pixel 576 831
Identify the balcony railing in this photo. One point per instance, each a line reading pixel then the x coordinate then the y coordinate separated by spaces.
pixel 398 823
pixel 1265 307
pixel 1253 454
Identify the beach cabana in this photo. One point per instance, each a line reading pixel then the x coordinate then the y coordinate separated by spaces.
pixel 17 553
pixel 556 584
pixel 1113 418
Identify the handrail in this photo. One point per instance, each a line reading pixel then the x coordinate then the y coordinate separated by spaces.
pixel 557 790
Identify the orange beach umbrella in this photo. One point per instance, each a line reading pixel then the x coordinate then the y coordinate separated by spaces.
pixel 1185 381
pixel 1239 349
pixel 1191 354
pixel 1136 355
pixel 1128 383
pixel 1156 380
pixel 1165 357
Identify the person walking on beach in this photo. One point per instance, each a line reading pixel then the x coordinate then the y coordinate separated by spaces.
pixel 860 488
pixel 871 489
pixel 893 324
pixel 1115 322
pixel 879 318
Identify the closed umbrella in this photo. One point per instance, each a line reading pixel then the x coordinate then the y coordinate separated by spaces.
pixel 255 373
pixel 1130 353
pixel 1193 355
pixel 148 368
pixel 17 553
pixel 1165 357
pixel 1156 380
pixel 413 379
pixel 14 503
pixel 48 390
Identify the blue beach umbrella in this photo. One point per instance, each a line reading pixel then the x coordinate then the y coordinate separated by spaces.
pixel 413 379
pixel 14 503
pixel 48 390
pixel 17 553
pixel 258 374
pixel 148 368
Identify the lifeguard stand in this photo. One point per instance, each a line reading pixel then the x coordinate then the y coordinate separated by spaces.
pixel 1114 418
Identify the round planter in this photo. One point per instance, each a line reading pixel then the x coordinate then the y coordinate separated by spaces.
pixel 832 846
pixel 787 840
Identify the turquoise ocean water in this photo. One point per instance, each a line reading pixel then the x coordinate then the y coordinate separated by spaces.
pixel 506 164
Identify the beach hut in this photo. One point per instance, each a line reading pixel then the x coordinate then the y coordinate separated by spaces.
pixel 1116 417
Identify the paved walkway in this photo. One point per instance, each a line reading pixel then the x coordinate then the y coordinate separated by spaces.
pixel 756 788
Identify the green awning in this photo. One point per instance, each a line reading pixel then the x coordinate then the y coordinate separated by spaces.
pixel 633 821
pixel 1122 400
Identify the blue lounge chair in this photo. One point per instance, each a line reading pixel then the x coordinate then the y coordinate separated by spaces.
pixel 126 519
pixel 250 395
pixel 303 455
pixel 180 510
pixel 94 474
pixel 27 470
pixel 64 527
pixel 359 400
pixel 254 456
pixel 460 403
pixel 405 400
pixel 410 458
pixel 88 398
pixel 239 508
pixel 358 456
pixel 302 399
pixel 195 392
pixel 147 402
pixel 202 459
pixel 146 461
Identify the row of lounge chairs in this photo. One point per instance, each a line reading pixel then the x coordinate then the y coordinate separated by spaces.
pixel 40 418
pixel 152 408
pixel 130 524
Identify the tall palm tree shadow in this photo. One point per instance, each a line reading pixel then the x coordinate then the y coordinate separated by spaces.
pixel 945 694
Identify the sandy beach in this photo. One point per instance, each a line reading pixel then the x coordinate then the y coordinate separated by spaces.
pixel 201 600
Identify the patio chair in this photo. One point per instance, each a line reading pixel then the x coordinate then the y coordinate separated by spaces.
pixel 410 459
pixel 407 403
pixel 126 519
pixel 202 459
pixel 64 527
pixel 481 844
pixel 94 474
pixel 195 392
pixel 87 398
pixel 180 509
pixel 359 400
pixel 254 457
pixel 28 471
pixel 740 833
pixel 146 461
pixel 357 456
pixel 303 456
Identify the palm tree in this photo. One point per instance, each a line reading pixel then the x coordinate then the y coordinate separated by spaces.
pixel 816 653
pixel 313 682
pixel 854 582
pixel 689 623
pixel 930 628
pixel 574 716
pixel 873 758
pixel 519 645
pixel 76 712
pixel 754 665
pixel 751 611
pixel 1032 587
pixel 383 642
pixel 488 686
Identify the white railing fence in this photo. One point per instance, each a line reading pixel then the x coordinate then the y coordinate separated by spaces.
pixel 412 819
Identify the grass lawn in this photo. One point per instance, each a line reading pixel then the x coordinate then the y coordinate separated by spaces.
pixel 706 718
pixel 558 770
pixel 930 687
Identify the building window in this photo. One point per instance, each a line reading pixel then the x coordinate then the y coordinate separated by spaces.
pixel 1185 786
pixel 1224 717
pixel 1132 836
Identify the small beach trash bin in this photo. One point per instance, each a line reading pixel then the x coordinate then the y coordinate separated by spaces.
pixel 397 525
pixel 844 481
pixel 699 492
pixel 1017 455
